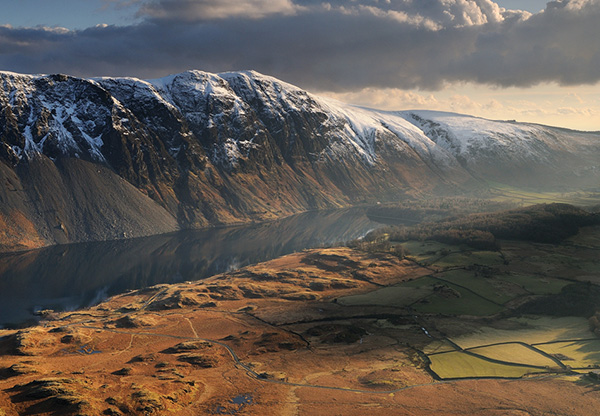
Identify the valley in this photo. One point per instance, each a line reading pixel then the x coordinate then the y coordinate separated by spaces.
pixel 300 208
pixel 149 226
pixel 72 276
pixel 431 327
pixel 102 159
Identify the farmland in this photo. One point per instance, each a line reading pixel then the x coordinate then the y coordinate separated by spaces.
pixel 456 364
pixel 409 322
pixel 518 310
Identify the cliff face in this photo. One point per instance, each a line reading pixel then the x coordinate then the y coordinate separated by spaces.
pixel 90 159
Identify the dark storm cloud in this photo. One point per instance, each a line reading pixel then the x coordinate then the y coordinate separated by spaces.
pixel 338 45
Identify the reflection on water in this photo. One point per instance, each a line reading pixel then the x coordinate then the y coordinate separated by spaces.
pixel 72 276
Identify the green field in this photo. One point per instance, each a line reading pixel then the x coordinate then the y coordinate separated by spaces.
pixel 498 291
pixel 402 295
pixel 439 346
pixel 515 353
pixel 575 354
pixel 427 295
pixel 454 300
pixel 506 193
pixel 458 364
pixel 484 258
pixel 592 267
pixel 535 330
pixel 423 282
pixel 535 284
pixel 426 252
pixel 588 237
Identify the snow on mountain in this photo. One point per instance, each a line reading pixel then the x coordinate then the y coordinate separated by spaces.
pixel 231 111
pixel 86 159
pixel 223 102
pixel 227 103
pixel 54 115
pixel 512 152
pixel 464 135
pixel 364 127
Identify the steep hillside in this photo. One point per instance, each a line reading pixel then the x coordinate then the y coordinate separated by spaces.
pixel 94 159
pixel 516 153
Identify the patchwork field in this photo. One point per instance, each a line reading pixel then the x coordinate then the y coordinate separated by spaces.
pixel 468 258
pixel 458 364
pixel 532 345
pixel 515 353
pixel 445 330
pixel 582 354
pixel 529 330
pixel 502 285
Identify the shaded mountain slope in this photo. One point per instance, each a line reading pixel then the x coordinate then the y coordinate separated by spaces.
pixel 95 159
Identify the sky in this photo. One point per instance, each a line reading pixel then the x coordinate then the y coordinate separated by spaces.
pixel 527 60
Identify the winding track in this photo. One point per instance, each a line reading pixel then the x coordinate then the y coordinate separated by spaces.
pixel 253 374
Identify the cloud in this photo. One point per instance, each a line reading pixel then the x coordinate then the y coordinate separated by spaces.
pixel 335 45
pixel 571 107
pixel 434 13
pixel 120 4
pixel 203 10
pixel 387 98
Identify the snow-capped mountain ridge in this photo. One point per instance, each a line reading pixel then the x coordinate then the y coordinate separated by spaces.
pixel 249 97
pixel 236 146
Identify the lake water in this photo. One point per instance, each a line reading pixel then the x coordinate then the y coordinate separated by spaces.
pixel 72 276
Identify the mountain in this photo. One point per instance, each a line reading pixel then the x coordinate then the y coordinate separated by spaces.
pixel 108 158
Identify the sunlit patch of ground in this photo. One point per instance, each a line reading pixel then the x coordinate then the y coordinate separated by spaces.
pixel 332 331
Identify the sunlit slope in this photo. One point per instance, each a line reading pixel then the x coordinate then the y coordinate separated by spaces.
pixel 233 147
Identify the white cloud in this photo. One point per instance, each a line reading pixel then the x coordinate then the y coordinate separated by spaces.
pixel 434 14
pixel 572 107
pixel 571 5
pixel 200 10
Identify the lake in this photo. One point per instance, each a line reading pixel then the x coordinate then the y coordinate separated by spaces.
pixel 67 277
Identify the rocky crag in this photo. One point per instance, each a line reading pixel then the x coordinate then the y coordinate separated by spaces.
pixel 108 158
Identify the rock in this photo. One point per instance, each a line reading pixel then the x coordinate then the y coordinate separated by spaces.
pixel 59 329
pixel 188 346
pixel 147 401
pixel 177 300
pixel 20 369
pixel 125 371
pixel 133 322
pixel 198 360
pixel 300 296
pixel 143 358
pixel 60 395
pixel 208 305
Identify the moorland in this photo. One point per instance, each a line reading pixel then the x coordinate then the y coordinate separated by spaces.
pixel 468 313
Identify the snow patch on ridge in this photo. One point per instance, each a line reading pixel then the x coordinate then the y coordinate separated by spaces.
pixel 228 114
pixel 58 114
pixel 364 126
pixel 473 137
